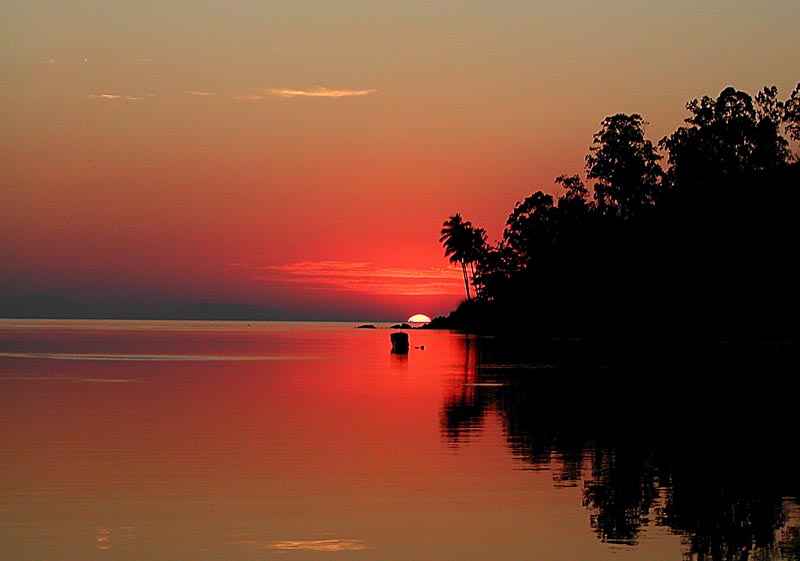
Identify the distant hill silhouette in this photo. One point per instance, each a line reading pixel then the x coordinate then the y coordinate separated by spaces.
pixel 213 311
pixel 49 306
pixel 42 306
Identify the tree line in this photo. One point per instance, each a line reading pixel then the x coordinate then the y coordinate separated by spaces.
pixel 695 234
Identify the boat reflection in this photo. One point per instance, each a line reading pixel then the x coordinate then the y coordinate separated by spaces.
pixel 689 447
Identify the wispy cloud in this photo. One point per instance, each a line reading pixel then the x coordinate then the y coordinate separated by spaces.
pixel 319 92
pixel 318 545
pixel 249 97
pixel 323 545
pixel 284 93
pixel 362 277
pixel 115 97
pixel 67 61
pixel 87 60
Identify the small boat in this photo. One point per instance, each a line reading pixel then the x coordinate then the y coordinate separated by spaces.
pixel 399 342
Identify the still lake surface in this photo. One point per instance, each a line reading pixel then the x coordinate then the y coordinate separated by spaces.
pixel 255 441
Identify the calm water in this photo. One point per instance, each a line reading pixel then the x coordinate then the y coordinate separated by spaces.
pixel 257 441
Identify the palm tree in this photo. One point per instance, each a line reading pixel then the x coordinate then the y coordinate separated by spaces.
pixel 478 248
pixel 462 244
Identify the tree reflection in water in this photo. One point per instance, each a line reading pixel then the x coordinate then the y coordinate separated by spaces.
pixel 682 443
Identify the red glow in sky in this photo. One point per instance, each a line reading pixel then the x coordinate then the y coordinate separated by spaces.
pixel 302 158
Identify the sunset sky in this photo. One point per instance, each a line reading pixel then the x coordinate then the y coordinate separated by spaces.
pixel 301 156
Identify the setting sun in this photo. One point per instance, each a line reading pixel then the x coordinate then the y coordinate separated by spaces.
pixel 419 318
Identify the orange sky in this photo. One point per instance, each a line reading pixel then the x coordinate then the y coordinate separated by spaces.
pixel 302 155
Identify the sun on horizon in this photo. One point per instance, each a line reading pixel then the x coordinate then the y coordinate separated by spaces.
pixel 419 319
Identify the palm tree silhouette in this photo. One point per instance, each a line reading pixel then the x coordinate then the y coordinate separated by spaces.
pixel 462 244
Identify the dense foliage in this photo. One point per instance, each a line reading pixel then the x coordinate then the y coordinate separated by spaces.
pixel 703 247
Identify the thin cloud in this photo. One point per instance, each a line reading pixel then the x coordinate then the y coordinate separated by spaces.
pixel 115 97
pixel 320 92
pixel 249 97
pixel 318 545
pixel 199 93
pixel 362 277
pixel 324 545
pixel 67 61
pixel 87 60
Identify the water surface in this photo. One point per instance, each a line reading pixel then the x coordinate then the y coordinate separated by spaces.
pixel 257 441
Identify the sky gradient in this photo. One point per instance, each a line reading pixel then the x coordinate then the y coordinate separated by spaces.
pixel 301 156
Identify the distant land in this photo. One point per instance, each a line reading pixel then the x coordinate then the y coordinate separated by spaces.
pixel 49 306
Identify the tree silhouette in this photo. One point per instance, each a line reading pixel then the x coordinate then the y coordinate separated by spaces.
pixel 463 244
pixel 530 230
pixel 625 166
pixel 791 114
pixel 573 202
pixel 728 137
pixel 706 245
pixel 478 249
